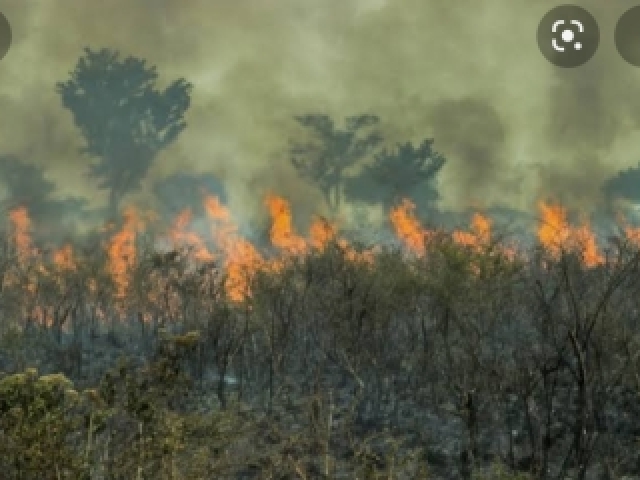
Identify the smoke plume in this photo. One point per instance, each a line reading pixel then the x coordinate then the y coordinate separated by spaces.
pixel 513 127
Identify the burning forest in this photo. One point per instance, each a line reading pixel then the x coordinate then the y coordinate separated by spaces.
pixel 238 259
pixel 243 321
pixel 258 240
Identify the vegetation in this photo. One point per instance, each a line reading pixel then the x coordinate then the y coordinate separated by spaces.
pixel 387 366
pixel 453 355
pixel 397 174
pixel 326 158
pixel 124 120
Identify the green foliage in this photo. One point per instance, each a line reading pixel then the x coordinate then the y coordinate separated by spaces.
pixel 124 120
pixel 406 171
pixel 624 185
pixel 28 186
pixel 37 421
pixel 324 160
pixel 498 471
pixel 142 392
pixel 336 358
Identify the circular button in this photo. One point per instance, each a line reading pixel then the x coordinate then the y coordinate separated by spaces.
pixel 627 36
pixel 568 36
pixel 5 35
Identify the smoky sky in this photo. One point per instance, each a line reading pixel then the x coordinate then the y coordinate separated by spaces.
pixel 514 128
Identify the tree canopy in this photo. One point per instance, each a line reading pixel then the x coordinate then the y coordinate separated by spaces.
pixel 396 173
pixel 324 160
pixel 124 119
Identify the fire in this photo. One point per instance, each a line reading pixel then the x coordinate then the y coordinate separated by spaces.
pixel 407 227
pixel 556 235
pixel 181 237
pixel 321 233
pixel 586 240
pixel 553 231
pixel 480 234
pixel 21 233
pixel 121 252
pixel 409 230
pixel 282 235
pixel 64 258
pixel 241 259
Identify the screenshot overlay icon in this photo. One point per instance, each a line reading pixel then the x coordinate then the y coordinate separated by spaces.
pixel 568 36
pixel 627 36
pixel 5 36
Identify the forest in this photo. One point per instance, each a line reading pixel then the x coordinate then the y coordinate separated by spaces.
pixel 175 344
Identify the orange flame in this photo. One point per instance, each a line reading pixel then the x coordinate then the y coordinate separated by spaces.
pixel 321 232
pixel 480 234
pixel 282 235
pixel 241 258
pixel 181 237
pixel 553 231
pixel 21 233
pixel 555 234
pixel 121 252
pixel 63 258
pixel 407 227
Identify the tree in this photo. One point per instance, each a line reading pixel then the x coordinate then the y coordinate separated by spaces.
pixel 27 186
pixel 398 172
pixel 624 185
pixel 325 162
pixel 124 120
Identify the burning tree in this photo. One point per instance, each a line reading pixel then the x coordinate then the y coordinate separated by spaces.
pixel 124 120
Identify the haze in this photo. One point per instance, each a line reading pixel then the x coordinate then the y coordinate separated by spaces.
pixel 514 128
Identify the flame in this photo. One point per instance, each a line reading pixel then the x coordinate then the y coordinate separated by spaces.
pixel 556 235
pixel 407 227
pixel 21 233
pixel 480 234
pixel 121 252
pixel 63 258
pixel 586 241
pixel 241 259
pixel 553 231
pixel 281 234
pixel 321 232
pixel 181 237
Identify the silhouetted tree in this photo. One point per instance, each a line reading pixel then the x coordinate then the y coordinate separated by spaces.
pixel 26 185
pixel 324 162
pixel 124 120
pixel 398 172
pixel 626 184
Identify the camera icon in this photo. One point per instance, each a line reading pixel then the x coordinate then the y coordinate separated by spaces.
pixel 627 36
pixel 568 36
pixel 5 35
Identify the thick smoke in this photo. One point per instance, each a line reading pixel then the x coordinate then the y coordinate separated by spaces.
pixel 514 128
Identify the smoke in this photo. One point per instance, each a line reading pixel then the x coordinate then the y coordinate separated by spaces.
pixel 514 128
